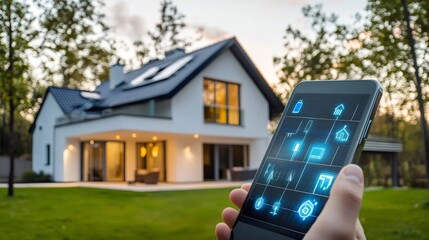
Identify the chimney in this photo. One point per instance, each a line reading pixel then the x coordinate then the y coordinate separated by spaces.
pixel 116 74
pixel 175 52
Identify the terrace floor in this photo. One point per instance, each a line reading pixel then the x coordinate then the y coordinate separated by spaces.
pixel 134 187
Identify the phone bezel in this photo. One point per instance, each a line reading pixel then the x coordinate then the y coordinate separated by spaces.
pixel 371 87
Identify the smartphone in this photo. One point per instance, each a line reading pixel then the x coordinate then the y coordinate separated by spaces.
pixel 322 128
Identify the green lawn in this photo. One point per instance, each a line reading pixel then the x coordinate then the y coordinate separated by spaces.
pixel 80 213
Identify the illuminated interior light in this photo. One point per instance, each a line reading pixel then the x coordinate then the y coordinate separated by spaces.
pixel 134 135
pixel 155 151
pixel 154 138
pixel 118 137
pixel 196 136
pixel 143 152
pixel 91 142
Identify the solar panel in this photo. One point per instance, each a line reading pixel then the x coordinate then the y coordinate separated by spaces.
pixel 145 75
pixel 90 95
pixel 173 68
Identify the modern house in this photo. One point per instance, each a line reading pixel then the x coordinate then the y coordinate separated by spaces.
pixel 189 116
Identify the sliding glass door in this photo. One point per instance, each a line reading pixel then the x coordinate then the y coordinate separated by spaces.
pixel 219 158
pixel 103 161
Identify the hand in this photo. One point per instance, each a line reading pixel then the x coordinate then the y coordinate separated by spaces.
pixel 339 219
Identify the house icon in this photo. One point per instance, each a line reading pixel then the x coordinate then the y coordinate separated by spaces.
pixel 342 135
pixel 338 110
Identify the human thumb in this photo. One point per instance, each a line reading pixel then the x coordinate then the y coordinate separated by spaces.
pixel 338 218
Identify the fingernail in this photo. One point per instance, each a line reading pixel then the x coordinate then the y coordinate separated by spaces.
pixel 353 173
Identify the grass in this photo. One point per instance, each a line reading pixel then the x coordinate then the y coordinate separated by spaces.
pixel 396 214
pixel 80 213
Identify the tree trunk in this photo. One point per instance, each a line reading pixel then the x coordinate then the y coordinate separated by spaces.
pixel 418 87
pixel 10 76
pixel 3 131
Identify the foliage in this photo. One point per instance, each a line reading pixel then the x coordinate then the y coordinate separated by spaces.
pixel 386 54
pixel 33 177
pixel 17 44
pixel 386 51
pixel 411 164
pixel 167 32
pixel 167 35
pixel 16 35
pixel 75 45
pixel 22 136
pixel 374 47
pixel 325 53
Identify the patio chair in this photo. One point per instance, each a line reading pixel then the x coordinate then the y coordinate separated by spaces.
pixel 147 177
pixel 242 174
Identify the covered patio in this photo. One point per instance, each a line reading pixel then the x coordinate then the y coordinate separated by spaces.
pixel 389 148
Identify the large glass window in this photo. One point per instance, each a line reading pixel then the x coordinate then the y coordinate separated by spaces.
pixel 103 161
pixel 221 102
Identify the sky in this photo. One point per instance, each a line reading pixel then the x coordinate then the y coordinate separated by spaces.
pixel 259 25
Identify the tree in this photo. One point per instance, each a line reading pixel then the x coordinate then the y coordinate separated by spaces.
pixel 16 35
pixel 167 32
pixel 418 84
pixel 326 52
pixel 390 30
pixel 75 44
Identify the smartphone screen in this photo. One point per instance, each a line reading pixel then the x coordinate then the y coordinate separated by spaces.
pixel 320 132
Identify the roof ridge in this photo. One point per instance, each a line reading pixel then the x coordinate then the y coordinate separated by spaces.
pixel 187 53
pixel 71 89
pixel 216 43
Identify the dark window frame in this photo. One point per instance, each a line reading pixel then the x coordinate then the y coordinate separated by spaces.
pixel 215 107
pixel 48 154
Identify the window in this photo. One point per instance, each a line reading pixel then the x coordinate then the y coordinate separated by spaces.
pixel 48 154
pixel 221 102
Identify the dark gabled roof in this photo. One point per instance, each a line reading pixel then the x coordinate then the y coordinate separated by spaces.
pixel 126 94
pixel 68 99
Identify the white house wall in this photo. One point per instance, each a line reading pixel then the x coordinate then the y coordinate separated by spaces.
pixel 187 105
pixel 130 160
pixel 44 134
pixel 70 155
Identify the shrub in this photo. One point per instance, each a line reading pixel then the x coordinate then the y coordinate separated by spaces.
pixel 33 177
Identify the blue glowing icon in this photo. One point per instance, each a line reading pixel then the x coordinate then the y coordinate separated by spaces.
pixel 316 153
pixel 269 171
pixel 342 135
pixel 297 107
pixel 296 147
pixel 338 110
pixel 323 183
pixel 290 176
pixel 275 208
pixel 259 203
pixel 308 126
pixel 306 209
